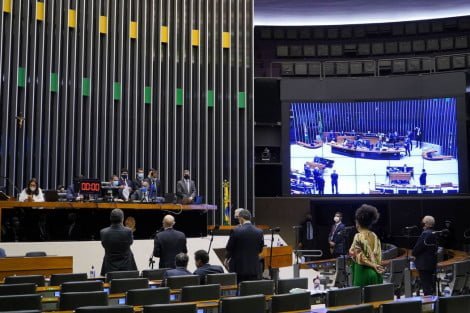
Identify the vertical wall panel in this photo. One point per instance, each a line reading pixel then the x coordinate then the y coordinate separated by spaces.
pixel 109 84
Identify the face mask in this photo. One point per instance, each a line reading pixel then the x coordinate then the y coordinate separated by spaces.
pixel 186 176
pixel 336 219
pixel 124 176
pixel 115 182
pixel 32 188
pixel 140 175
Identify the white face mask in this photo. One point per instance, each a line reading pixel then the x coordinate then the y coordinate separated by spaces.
pixel 32 188
pixel 336 219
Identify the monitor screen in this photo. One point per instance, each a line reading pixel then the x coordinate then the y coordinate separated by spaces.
pixel 374 147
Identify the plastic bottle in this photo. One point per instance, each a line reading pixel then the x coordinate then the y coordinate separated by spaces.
pixel 446 292
pixel 92 272
pixel 279 243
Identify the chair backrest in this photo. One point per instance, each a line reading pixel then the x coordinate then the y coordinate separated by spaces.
pixel 342 272
pixel 170 308
pixel 178 282
pixel 363 308
pixel 121 274
pixel 453 304
pixel 17 289
pixel 344 296
pixel 20 302
pixel 73 300
pixel 200 293
pixel 224 279
pixel 381 292
pixel 106 309
pixel 21 279
pixel 35 253
pixel 290 302
pixel 59 279
pixel 156 274
pixel 401 307
pixel 148 296
pixel 285 285
pixel 460 271
pixel 252 304
pixel 124 284
pixel 256 287
pixel 81 286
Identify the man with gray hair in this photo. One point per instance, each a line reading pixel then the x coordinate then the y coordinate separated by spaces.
pixel 425 253
pixel 116 241
pixel 168 243
pixel 243 248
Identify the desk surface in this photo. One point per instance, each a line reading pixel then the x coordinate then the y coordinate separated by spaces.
pixel 106 205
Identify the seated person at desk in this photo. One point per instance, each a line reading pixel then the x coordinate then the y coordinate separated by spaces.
pixel 71 193
pixel 186 188
pixel 113 190
pixel 32 193
pixel 201 257
pixel 181 261
pixel 143 193
pixel 126 185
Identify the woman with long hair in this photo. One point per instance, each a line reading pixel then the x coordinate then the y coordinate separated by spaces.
pixel 32 192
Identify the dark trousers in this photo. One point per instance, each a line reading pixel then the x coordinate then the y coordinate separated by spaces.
pixel 427 281
pixel 334 185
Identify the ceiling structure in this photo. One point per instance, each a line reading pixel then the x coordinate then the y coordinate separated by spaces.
pixel 340 12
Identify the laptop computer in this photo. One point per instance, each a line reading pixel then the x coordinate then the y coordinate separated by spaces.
pixel 169 198
pixel 51 196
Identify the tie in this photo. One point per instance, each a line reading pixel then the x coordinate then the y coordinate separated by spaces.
pixel 187 186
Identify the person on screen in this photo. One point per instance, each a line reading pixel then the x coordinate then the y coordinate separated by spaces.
pixel 321 185
pixel 32 193
pixel 365 250
pixel 419 137
pixel 425 253
pixel 336 239
pixel 186 188
pixel 334 182
pixel 422 179
pixel 116 241
pixel 407 145
pixel 201 258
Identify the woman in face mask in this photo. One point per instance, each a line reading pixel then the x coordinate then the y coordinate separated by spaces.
pixel 32 193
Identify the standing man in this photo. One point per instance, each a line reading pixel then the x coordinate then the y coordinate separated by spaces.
pixel 126 185
pixel 419 137
pixel 334 182
pixel 422 179
pixel 155 184
pixel 168 243
pixel 336 238
pixel 425 253
pixel 186 188
pixel 116 241
pixel 243 248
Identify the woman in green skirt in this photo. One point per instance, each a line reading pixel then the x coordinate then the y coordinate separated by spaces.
pixel 365 250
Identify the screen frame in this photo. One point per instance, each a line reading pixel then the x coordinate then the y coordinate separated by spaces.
pixel 441 85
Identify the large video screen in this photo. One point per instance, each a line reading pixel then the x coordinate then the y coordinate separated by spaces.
pixel 374 147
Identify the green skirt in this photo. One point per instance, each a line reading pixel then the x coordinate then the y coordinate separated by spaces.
pixel 364 275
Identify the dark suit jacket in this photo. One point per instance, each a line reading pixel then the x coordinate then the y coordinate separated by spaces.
pixel 208 269
pixel 2 253
pixel 179 271
pixel 167 245
pixel 308 243
pixel 182 190
pixel 338 238
pixel 116 241
pixel 425 251
pixel 243 248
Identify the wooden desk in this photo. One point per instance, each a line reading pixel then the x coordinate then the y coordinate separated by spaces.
pixel 45 265
pixel 282 256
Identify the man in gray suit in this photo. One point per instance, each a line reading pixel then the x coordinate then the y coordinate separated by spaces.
pixel 116 241
pixel 168 243
pixel 186 188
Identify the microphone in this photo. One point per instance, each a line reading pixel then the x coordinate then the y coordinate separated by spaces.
pixel 440 232
pixel 411 227
pixel 275 229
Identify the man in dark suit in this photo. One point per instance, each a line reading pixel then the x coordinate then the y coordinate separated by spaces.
pixel 243 248
pixel 334 182
pixel 425 253
pixel 336 237
pixel 116 241
pixel 181 261
pixel 186 188
pixel 201 257
pixel 168 243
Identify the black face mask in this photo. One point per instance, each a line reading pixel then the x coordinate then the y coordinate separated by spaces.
pixel 124 176
pixel 186 176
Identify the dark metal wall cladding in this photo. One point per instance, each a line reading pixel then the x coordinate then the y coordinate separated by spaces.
pixel 66 133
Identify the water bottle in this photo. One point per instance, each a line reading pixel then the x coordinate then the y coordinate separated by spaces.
pixel 446 292
pixel 92 272
pixel 278 244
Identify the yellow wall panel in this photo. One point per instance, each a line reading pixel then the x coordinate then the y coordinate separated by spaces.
pixel 133 30
pixel 40 11
pixel 164 34
pixel 226 40
pixel 195 37
pixel 7 6
pixel 72 18
pixel 103 24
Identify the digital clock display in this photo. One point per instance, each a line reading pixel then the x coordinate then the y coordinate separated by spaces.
pixel 89 186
